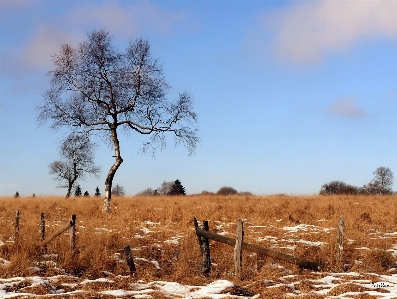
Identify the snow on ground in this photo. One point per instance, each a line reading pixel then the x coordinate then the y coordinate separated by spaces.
pixel 308 284
pixel 330 285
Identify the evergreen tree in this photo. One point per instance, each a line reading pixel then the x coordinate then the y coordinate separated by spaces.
pixel 177 189
pixel 86 194
pixel 97 192
pixel 77 191
pixel 16 194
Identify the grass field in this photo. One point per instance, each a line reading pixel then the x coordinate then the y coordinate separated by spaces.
pixel 160 231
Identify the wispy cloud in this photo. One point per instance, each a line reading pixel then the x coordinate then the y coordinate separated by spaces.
pixel 44 43
pixel 129 20
pixel 346 108
pixel 306 31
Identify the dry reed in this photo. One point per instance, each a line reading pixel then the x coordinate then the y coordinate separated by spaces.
pixel 151 226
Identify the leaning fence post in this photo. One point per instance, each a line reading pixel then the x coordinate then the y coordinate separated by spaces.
pixel 16 230
pixel 341 231
pixel 206 268
pixel 204 248
pixel 42 227
pixel 129 260
pixel 238 250
pixel 73 233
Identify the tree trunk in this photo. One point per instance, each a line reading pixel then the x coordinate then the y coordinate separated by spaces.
pixel 112 171
pixel 69 189
pixel 72 180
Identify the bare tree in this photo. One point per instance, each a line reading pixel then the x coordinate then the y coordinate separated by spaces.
pixel 77 160
pixel 383 180
pixel 95 87
pixel 147 192
pixel 118 190
pixel 165 188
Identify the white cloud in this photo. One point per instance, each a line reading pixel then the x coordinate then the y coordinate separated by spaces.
pixel 347 108
pixel 46 42
pixel 126 20
pixel 307 31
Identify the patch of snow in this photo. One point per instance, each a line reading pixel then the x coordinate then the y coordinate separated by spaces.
pixel 3 262
pixel 393 250
pixel 311 243
pixel 102 279
pixel 151 223
pixel 136 294
pixel 267 238
pixel 145 230
pixel 306 227
pixel 155 263
pixel 289 247
pixel 173 241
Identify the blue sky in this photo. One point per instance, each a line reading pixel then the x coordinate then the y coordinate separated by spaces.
pixel 289 94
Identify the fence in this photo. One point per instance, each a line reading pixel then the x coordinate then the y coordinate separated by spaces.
pixel 204 236
pixel 43 242
pixel 71 225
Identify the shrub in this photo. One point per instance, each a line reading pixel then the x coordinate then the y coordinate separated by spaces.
pixel 226 191
pixel 205 192
pixel 148 192
pixel 247 193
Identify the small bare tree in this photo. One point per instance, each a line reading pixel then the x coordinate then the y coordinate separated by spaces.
pixel 147 192
pixel 95 87
pixel 165 188
pixel 118 190
pixel 383 180
pixel 77 160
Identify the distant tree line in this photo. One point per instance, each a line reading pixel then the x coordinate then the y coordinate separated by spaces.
pixel 176 188
pixel 116 191
pixel 166 188
pixel 226 190
pixel 382 183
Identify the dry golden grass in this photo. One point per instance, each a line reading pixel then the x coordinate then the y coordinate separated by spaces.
pixel 370 223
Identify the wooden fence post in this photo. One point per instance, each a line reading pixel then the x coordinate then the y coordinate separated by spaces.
pixel 238 250
pixel 340 238
pixel 73 233
pixel 42 227
pixel 129 260
pixel 16 230
pixel 206 268
pixel 204 248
